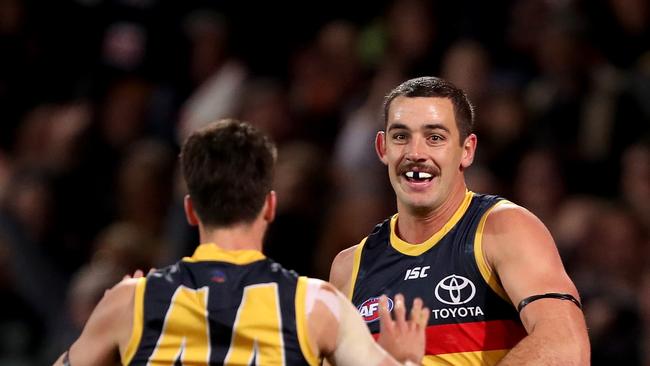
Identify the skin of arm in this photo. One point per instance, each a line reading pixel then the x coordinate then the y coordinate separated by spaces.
pixel 341 270
pixel 517 245
pixel 337 332
pixel 108 329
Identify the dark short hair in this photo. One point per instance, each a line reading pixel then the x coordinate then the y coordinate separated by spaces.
pixel 228 168
pixel 430 86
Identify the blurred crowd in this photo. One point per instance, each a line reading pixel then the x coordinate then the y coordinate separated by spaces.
pixel 96 97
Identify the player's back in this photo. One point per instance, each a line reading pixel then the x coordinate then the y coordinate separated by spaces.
pixel 219 307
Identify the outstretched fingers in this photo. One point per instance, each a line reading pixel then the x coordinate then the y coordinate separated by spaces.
pixel 403 338
pixel 386 323
pixel 400 312
pixel 419 315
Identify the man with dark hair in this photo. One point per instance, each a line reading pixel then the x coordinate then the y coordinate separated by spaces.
pixel 228 304
pixel 488 269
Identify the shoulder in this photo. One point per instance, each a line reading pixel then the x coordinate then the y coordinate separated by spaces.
pixel 119 298
pixel 316 289
pixel 509 219
pixel 345 257
pixel 519 247
pixel 511 230
pixel 342 267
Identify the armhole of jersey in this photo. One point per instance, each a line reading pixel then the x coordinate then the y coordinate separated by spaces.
pixel 486 272
pixel 356 262
pixel 138 320
pixel 301 322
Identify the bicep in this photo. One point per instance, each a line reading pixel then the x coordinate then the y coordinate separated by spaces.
pixel 98 343
pixel 526 260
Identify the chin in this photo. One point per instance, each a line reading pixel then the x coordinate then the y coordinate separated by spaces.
pixel 420 207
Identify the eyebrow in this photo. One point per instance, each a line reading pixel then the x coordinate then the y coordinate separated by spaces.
pixel 430 126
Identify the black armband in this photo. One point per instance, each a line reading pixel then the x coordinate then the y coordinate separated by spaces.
pixel 550 295
pixel 66 359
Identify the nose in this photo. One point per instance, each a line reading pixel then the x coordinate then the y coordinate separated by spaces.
pixel 415 150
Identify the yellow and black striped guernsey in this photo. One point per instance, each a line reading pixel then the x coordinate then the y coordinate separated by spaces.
pixel 220 308
pixel 472 320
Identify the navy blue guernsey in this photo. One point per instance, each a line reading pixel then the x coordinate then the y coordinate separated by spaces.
pixel 472 320
pixel 219 307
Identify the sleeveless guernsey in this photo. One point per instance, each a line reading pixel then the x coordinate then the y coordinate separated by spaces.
pixel 220 308
pixel 472 320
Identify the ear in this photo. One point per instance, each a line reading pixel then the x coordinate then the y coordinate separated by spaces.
pixel 190 214
pixel 269 207
pixel 380 146
pixel 469 148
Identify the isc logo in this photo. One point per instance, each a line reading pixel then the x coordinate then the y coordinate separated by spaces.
pixel 369 310
pixel 416 272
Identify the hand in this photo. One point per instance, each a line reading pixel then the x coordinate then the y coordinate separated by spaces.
pixel 404 340
pixel 137 274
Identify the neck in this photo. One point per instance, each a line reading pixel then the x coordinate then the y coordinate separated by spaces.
pixel 416 227
pixel 246 236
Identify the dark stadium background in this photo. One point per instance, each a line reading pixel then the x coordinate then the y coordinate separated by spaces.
pixel 96 97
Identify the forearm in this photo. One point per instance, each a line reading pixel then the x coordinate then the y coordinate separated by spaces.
pixel 548 349
pixel 355 345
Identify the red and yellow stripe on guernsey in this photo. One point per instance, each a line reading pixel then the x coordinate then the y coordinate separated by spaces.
pixel 475 343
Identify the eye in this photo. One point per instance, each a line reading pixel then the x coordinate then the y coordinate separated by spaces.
pixel 399 136
pixel 436 138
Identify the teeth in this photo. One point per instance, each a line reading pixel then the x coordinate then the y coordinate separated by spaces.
pixel 418 175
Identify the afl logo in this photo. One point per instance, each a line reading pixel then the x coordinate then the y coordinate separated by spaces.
pixel 455 290
pixel 369 310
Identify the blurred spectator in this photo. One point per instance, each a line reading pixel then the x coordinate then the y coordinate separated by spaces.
pixel 539 183
pixel 126 247
pixel 359 185
pixel 635 181
pixel 613 21
pixel 265 104
pixel 412 36
pixel 324 75
pixel 467 65
pixel 124 45
pixel 33 267
pixel 502 127
pixel 609 272
pixel 302 186
pixel 571 226
pixel 614 255
pixel 123 112
pixel 217 77
pixel 145 185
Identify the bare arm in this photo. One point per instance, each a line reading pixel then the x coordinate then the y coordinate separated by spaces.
pixel 337 332
pixel 520 249
pixel 341 270
pixel 107 330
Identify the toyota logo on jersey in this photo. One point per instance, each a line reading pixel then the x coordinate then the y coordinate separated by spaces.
pixel 369 310
pixel 455 290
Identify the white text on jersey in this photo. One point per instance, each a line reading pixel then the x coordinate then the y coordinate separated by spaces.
pixel 416 272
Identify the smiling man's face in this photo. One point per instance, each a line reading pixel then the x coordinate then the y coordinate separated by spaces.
pixel 421 147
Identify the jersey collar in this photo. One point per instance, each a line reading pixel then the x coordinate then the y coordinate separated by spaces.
pixel 417 249
pixel 212 252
